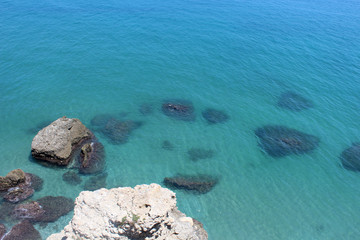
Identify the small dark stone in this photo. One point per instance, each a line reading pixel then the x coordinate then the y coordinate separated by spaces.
pixel 23 231
pixel 167 145
pixel 194 183
pixel 200 153
pixel 215 116
pixel 279 141
pixel 36 182
pixel 96 182
pixel 118 132
pixel 146 109
pixel 350 158
pixel 179 109
pixel 72 178
pixel 2 230
pixel 54 208
pixel 30 210
pixel 92 158
pixel 294 102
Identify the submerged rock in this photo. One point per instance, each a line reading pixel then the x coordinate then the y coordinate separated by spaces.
pixel 215 116
pixel 167 145
pixel 56 142
pixel 118 132
pixel 294 102
pixel 194 183
pixel 36 181
pixel 200 153
pixel 12 179
pixel 350 158
pixel 54 208
pixel 96 182
pixel 72 178
pixel 144 212
pixel 18 194
pixel 146 109
pixel 2 230
pixel 31 211
pixel 101 120
pixel 5 211
pixel 23 231
pixel 279 141
pixel 179 109
pixel 92 158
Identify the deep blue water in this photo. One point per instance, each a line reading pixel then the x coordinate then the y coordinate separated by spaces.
pixel 85 58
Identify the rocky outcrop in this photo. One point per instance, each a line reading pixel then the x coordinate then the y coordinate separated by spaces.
pixel 143 212
pixel 56 142
pixel 18 185
pixel 12 179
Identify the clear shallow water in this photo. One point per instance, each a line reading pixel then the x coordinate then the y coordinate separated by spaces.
pixel 86 58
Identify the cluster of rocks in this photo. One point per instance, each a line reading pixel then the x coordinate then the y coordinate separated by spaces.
pixel 184 110
pixel 17 187
pixel 144 212
pixel 199 184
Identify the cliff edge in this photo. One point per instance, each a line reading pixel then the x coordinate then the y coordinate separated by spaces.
pixel 142 212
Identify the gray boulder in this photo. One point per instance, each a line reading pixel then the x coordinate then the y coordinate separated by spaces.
pixel 56 142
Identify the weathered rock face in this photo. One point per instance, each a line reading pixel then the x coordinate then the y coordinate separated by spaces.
pixel 143 212
pixel 12 179
pixel 92 158
pixel 56 142
pixel 23 231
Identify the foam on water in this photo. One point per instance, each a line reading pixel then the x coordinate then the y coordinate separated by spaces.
pixel 87 58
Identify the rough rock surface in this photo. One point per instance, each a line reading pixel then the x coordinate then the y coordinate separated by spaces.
pixel 143 212
pixel 23 231
pixel 56 142
pixel 12 179
pixel 2 230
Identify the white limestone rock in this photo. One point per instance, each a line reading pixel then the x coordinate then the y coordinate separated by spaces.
pixel 144 212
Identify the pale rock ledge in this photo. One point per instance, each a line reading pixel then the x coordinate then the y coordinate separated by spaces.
pixel 142 212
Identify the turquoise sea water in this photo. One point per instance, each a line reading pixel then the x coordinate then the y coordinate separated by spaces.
pixel 85 58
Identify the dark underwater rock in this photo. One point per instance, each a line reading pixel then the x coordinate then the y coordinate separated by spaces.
pixel 31 211
pixel 350 158
pixel 179 109
pixel 101 120
pixel 200 153
pixel 2 230
pixel 54 208
pixel 36 181
pixel 294 102
pixel 96 182
pixel 279 141
pixel 23 231
pixel 72 178
pixel 92 158
pixel 5 211
pixel 194 183
pixel 215 116
pixel 146 109
pixel 118 132
pixel 167 145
